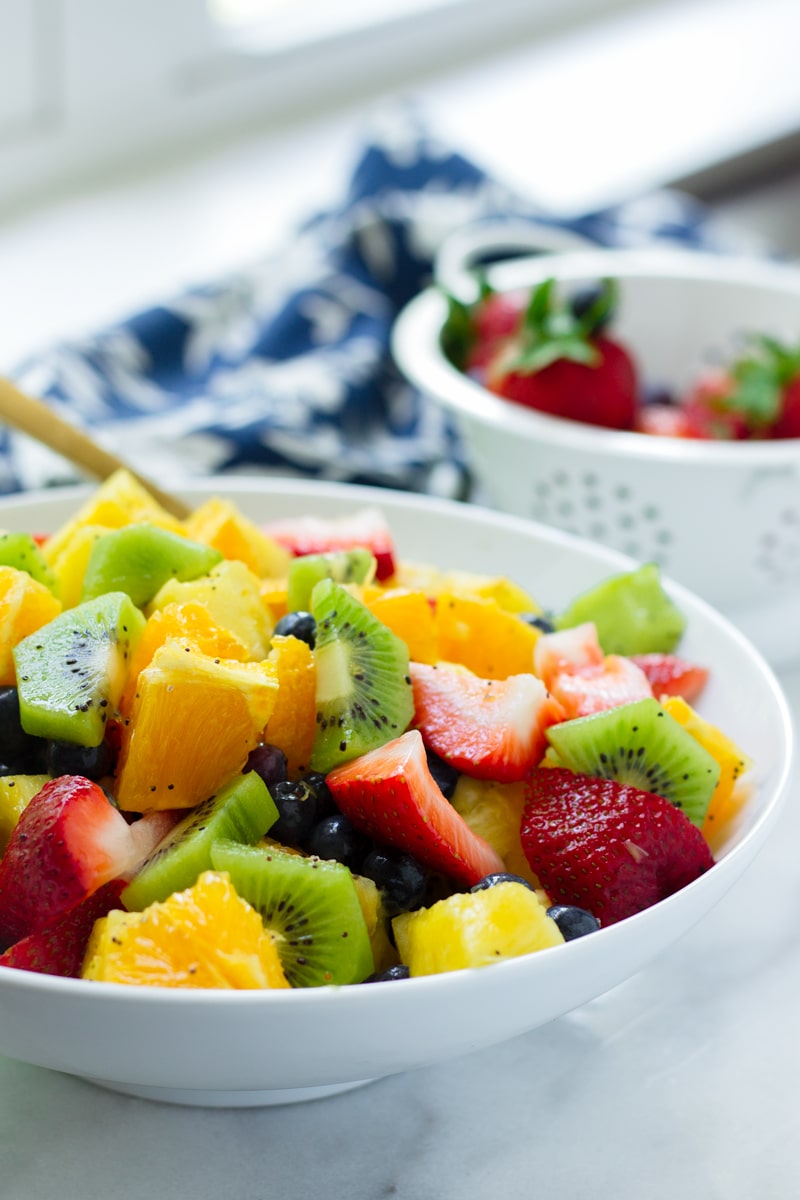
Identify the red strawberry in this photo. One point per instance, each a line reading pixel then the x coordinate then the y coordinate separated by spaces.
pixel 58 948
pixel 567 650
pixel 788 423
pixel 320 535
pixel 486 728
pixel 391 795
pixel 494 319
pixel 670 675
pixel 593 689
pixel 663 420
pixel 68 842
pixel 605 846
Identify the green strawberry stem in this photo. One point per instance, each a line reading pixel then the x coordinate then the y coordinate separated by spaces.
pixel 759 380
pixel 551 330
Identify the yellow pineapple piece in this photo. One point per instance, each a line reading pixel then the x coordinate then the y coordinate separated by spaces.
pixel 484 637
pixel 220 524
pixel 474 929
pixel 16 793
pixel 25 606
pixel 509 595
pixel 383 952
pixel 118 501
pixel 231 594
pixel 69 564
pixel 728 796
pixel 204 937
pixel 494 812
pixel 195 718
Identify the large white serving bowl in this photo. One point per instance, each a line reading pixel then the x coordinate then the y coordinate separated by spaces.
pixel 246 1048
pixel 722 518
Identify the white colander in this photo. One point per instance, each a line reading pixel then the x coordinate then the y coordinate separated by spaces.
pixel 722 518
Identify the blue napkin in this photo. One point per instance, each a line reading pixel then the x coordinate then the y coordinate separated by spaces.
pixel 285 367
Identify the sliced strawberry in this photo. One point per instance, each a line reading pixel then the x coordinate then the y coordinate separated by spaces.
pixel 567 650
pixel 595 688
pixel 68 842
pixel 670 675
pixel 663 420
pixel 607 847
pixel 788 423
pixel 319 535
pixel 391 795
pixel 58 948
pixel 486 728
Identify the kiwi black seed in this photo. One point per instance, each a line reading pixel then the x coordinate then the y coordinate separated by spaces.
pixel 342 566
pixel 640 744
pixel 310 904
pixel 242 811
pixel 71 672
pixel 364 695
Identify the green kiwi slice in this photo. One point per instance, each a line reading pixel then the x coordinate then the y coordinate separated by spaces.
pixel 71 672
pixel 363 695
pixel 342 566
pixel 19 550
pixel 311 904
pixel 140 558
pixel 642 745
pixel 632 613
pixel 242 811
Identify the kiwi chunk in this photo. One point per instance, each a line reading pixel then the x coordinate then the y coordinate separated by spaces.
pixel 342 566
pixel 139 559
pixel 71 672
pixel 20 550
pixel 642 745
pixel 363 688
pixel 242 811
pixel 632 613
pixel 310 904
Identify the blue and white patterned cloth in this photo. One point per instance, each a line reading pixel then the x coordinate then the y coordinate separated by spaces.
pixel 285 367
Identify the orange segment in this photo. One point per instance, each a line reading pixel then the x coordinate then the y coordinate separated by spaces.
pixel 25 606
pixel 193 722
pixel 484 637
pixel 231 594
pixel 219 523
pixel 204 937
pixel 189 622
pixel 292 724
pixel 408 614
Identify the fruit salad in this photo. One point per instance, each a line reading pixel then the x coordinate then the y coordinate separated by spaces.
pixel 281 756
pixel 559 354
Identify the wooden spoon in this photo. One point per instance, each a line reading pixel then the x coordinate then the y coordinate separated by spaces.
pixel 39 421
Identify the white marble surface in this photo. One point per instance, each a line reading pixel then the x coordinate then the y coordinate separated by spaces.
pixel 679 1083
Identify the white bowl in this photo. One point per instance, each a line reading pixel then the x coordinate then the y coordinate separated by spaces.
pixel 722 518
pixel 237 1048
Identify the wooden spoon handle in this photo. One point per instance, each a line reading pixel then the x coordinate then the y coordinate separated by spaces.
pixel 38 420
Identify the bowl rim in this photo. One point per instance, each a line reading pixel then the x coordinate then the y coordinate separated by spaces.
pixel 195 489
pixel 416 349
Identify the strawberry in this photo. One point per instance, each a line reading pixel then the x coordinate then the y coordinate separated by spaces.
pixel 664 420
pixel 58 948
pixel 486 728
pixel 570 649
pixel 391 795
pixel 319 535
pixel 605 846
pixel 563 363
pixel 757 397
pixel 593 689
pixel 671 675
pixel 68 842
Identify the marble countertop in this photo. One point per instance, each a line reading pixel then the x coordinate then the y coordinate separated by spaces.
pixel 679 1082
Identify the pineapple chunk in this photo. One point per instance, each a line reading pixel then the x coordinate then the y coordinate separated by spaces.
pixel 231 594
pixel 219 523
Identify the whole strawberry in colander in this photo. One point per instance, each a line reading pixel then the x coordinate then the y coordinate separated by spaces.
pixel 561 359
pixel 756 397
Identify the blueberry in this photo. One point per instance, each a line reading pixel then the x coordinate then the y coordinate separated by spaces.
pixel 490 881
pixel 401 880
pixel 267 761
pixel 658 395
pixel 573 922
pixel 66 758
pixel 445 776
pixel 20 752
pixel 337 837
pixel 399 971
pixel 300 625
pixel 297 812
pixel 326 805
pixel 538 621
